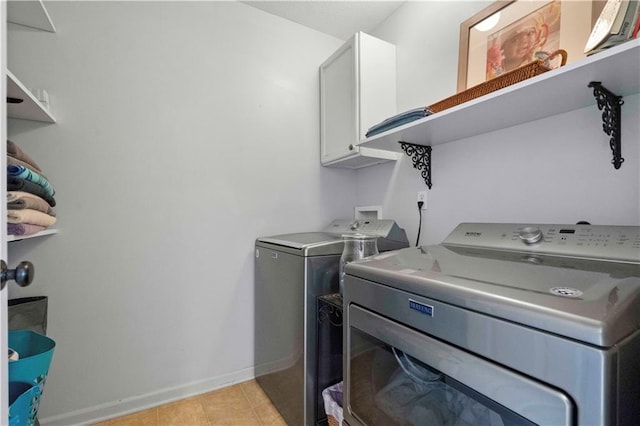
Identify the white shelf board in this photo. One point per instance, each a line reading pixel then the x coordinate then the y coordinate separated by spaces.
pixel 363 157
pixel 554 92
pixel 31 108
pixel 11 238
pixel 30 13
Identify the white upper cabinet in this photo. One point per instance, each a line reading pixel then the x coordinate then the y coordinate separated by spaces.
pixel 357 91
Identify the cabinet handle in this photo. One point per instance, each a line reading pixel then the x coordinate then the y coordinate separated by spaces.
pixel 23 274
pixel 351 147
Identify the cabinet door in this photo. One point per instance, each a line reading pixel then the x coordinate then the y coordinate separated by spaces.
pixel 338 94
pixel 357 91
pixel 376 82
pixel 4 362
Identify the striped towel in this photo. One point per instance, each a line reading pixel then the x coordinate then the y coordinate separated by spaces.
pixel 17 162
pixel 28 174
pixel 17 184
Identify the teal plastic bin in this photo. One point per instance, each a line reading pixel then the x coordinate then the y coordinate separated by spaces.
pixel 24 400
pixel 36 352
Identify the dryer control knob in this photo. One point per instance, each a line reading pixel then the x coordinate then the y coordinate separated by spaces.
pixel 531 235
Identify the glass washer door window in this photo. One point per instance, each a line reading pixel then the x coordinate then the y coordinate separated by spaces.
pixel 399 376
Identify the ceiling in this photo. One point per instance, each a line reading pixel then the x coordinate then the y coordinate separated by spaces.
pixel 339 18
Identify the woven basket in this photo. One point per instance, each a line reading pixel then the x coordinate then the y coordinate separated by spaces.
pixel 507 79
pixel 332 421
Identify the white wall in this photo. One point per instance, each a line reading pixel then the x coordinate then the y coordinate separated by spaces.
pixel 185 130
pixel 556 170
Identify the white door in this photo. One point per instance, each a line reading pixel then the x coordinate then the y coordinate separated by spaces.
pixel 4 375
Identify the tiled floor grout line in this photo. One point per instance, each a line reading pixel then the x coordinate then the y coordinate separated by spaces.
pixel 251 404
pixel 204 408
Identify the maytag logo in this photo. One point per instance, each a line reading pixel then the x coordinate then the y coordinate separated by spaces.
pixel 421 307
pixel 472 234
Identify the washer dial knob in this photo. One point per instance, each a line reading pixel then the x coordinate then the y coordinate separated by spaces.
pixel 531 235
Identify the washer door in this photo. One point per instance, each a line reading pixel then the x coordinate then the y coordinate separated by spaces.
pixel 395 375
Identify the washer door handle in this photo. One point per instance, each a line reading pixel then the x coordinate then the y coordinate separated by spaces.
pixel 23 274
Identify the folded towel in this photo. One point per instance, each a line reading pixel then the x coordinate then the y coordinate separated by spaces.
pixel 17 184
pixel 17 162
pixel 23 229
pixel 18 200
pixel 416 112
pixel 28 174
pixel 398 120
pixel 16 152
pixel 34 217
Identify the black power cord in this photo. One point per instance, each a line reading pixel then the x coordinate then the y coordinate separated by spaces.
pixel 420 204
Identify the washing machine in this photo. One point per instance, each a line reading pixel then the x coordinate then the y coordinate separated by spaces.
pixel 501 324
pixel 291 271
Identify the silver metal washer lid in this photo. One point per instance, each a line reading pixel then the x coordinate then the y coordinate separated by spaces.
pixel 509 285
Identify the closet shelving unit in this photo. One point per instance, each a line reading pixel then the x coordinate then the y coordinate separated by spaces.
pixel 31 14
pixel 30 108
pixel 555 92
pixel 44 233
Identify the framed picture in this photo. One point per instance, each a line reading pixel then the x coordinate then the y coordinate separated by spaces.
pixel 512 33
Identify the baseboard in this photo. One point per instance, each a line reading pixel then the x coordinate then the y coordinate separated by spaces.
pixel 126 406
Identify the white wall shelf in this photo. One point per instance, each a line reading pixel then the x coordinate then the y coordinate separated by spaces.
pixel 44 233
pixel 30 108
pixel 30 14
pixel 363 157
pixel 554 92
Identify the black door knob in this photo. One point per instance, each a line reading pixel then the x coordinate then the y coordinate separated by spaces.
pixel 23 274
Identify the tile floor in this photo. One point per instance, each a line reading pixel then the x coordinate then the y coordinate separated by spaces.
pixel 244 404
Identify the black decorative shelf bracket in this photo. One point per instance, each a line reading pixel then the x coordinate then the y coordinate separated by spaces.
pixel 610 105
pixel 421 158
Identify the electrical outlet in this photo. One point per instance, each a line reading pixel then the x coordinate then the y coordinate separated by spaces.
pixel 422 196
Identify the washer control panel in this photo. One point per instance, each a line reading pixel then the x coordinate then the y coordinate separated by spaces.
pixel 621 243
